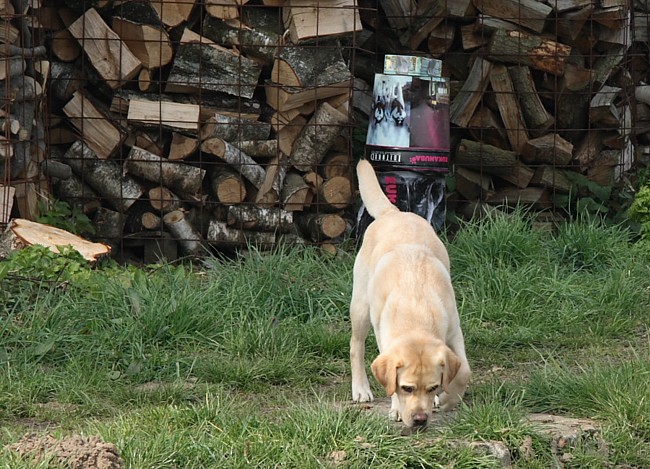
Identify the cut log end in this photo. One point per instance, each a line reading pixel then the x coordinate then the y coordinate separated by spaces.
pixel 22 233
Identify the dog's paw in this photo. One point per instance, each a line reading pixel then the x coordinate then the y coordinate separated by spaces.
pixel 446 403
pixel 394 415
pixel 362 395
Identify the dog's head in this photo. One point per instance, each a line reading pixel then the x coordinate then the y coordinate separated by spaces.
pixel 416 371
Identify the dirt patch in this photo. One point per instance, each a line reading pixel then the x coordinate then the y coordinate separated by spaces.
pixel 75 452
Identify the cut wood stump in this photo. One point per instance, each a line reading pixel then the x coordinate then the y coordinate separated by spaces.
pixel 21 233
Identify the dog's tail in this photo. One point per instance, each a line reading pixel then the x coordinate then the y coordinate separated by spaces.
pixel 372 195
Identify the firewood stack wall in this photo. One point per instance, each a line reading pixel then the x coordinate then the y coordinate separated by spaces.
pixel 549 98
pixel 180 125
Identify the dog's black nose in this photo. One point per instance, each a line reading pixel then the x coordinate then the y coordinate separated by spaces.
pixel 420 419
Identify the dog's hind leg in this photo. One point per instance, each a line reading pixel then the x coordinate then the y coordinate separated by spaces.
pixel 360 321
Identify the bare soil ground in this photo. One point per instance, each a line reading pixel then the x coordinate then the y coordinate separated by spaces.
pixel 75 452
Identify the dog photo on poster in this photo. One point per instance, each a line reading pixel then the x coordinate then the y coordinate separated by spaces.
pixel 409 124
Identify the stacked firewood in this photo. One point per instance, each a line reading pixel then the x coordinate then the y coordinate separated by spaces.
pixel 228 122
pixel 220 123
pixel 23 72
pixel 547 96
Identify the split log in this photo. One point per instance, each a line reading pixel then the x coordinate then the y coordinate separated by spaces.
pixel 602 108
pixel 260 218
pixel 78 194
pixel 190 242
pixel 255 43
pixel 24 93
pixel 104 176
pixel 317 137
pixel 227 185
pixel 12 67
pixel 287 136
pixel 65 80
pixel 486 127
pixel 336 164
pixel 6 203
pixel 488 158
pixel 258 148
pixel 399 12
pixel 535 114
pixel 296 194
pixel 220 234
pixel 163 200
pixel 239 160
pixel 63 44
pixel 550 149
pixel 112 59
pixel 139 26
pixel 428 15
pixel 183 178
pixel 509 107
pixel 314 180
pixel 551 178
pixel 223 9
pixel 320 226
pixel 173 14
pixel 530 14
pixel 537 52
pixel 234 129
pixel 96 128
pixel 460 8
pixel 307 19
pixel 589 149
pixel 151 221
pixel 534 197
pixel 268 193
pixel 464 104
pixel 211 68
pixel 570 25
pixel 471 184
pixel 170 115
pixel 441 39
pixel 335 194
pixel 471 38
pixel 304 74
pixel 22 233
pixel 108 225
pixel 182 146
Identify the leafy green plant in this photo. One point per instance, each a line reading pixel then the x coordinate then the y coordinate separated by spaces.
pixel 586 197
pixel 60 214
pixel 639 211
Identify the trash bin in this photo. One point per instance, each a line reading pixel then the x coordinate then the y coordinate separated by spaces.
pixel 408 137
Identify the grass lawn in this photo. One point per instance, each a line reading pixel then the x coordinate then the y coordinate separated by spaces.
pixel 245 363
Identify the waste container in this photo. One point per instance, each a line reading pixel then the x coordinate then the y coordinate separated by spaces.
pixel 408 137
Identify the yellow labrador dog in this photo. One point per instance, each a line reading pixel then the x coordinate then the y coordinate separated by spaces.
pixel 402 287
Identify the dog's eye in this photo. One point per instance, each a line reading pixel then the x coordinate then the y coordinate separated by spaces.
pixel 407 389
pixel 433 389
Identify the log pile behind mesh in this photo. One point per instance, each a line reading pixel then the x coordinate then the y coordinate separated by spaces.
pixel 207 122
pixel 549 98
pixel 175 117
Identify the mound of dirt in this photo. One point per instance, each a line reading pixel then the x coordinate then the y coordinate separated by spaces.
pixel 75 452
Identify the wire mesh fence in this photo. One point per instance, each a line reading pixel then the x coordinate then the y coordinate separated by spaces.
pixel 179 126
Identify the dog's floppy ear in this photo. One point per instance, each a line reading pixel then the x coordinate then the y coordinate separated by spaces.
pixel 451 367
pixel 385 370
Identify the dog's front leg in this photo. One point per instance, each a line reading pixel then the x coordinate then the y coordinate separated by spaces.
pixel 454 394
pixel 394 414
pixel 360 321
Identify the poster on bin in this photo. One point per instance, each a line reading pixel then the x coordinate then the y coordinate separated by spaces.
pixel 409 124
